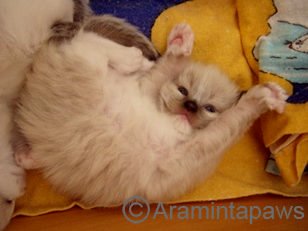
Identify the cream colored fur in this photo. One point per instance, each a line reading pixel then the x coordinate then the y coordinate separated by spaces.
pixel 103 130
pixel 24 25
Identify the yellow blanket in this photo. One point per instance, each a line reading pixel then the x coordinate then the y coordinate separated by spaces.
pixel 275 29
pixel 226 32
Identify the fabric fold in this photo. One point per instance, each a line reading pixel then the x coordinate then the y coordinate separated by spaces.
pixel 279 53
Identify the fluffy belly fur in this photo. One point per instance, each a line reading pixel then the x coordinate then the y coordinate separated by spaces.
pixel 94 133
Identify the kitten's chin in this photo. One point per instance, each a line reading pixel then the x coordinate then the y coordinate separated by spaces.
pixel 184 117
pixel 181 115
pixel 182 124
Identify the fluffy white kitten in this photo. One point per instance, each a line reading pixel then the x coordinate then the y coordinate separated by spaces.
pixel 102 130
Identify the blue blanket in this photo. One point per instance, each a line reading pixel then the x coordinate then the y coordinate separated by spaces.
pixel 138 12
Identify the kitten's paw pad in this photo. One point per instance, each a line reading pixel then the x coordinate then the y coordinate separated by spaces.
pixel 277 91
pixel 12 181
pixel 269 96
pixel 129 61
pixel 277 101
pixel 180 40
pixel 25 160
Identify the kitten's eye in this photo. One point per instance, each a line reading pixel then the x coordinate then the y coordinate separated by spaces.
pixel 183 90
pixel 9 201
pixel 210 108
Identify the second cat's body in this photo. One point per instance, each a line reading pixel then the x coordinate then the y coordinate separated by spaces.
pixel 24 27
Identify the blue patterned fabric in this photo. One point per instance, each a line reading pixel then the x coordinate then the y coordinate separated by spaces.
pixel 278 56
pixel 300 93
pixel 138 12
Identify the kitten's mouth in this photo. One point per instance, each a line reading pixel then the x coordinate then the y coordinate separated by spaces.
pixel 185 116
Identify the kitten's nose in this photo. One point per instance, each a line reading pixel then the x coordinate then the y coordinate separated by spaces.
pixel 191 106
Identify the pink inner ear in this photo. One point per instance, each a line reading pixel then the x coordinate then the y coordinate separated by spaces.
pixel 177 40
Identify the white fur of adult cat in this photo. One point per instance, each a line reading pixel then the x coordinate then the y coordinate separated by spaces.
pixel 24 25
pixel 103 131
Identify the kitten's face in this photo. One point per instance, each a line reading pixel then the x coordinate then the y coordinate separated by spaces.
pixel 198 95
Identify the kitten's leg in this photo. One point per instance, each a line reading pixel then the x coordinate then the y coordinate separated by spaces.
pixel 125 45
pixel 194 160
pixel 127 59
pixel 123 59
pixel 11 176
pixel 119 31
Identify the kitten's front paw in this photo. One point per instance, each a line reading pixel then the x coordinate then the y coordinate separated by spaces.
pixel 277 101
pixel 269 96
pixel 130 60
pixel 180 40
pixel 12 181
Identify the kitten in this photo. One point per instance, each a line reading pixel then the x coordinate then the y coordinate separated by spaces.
pixel 24 27
pixel 103 125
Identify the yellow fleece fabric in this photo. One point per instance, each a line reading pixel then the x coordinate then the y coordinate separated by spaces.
pixel 225 34
pixel 272 24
